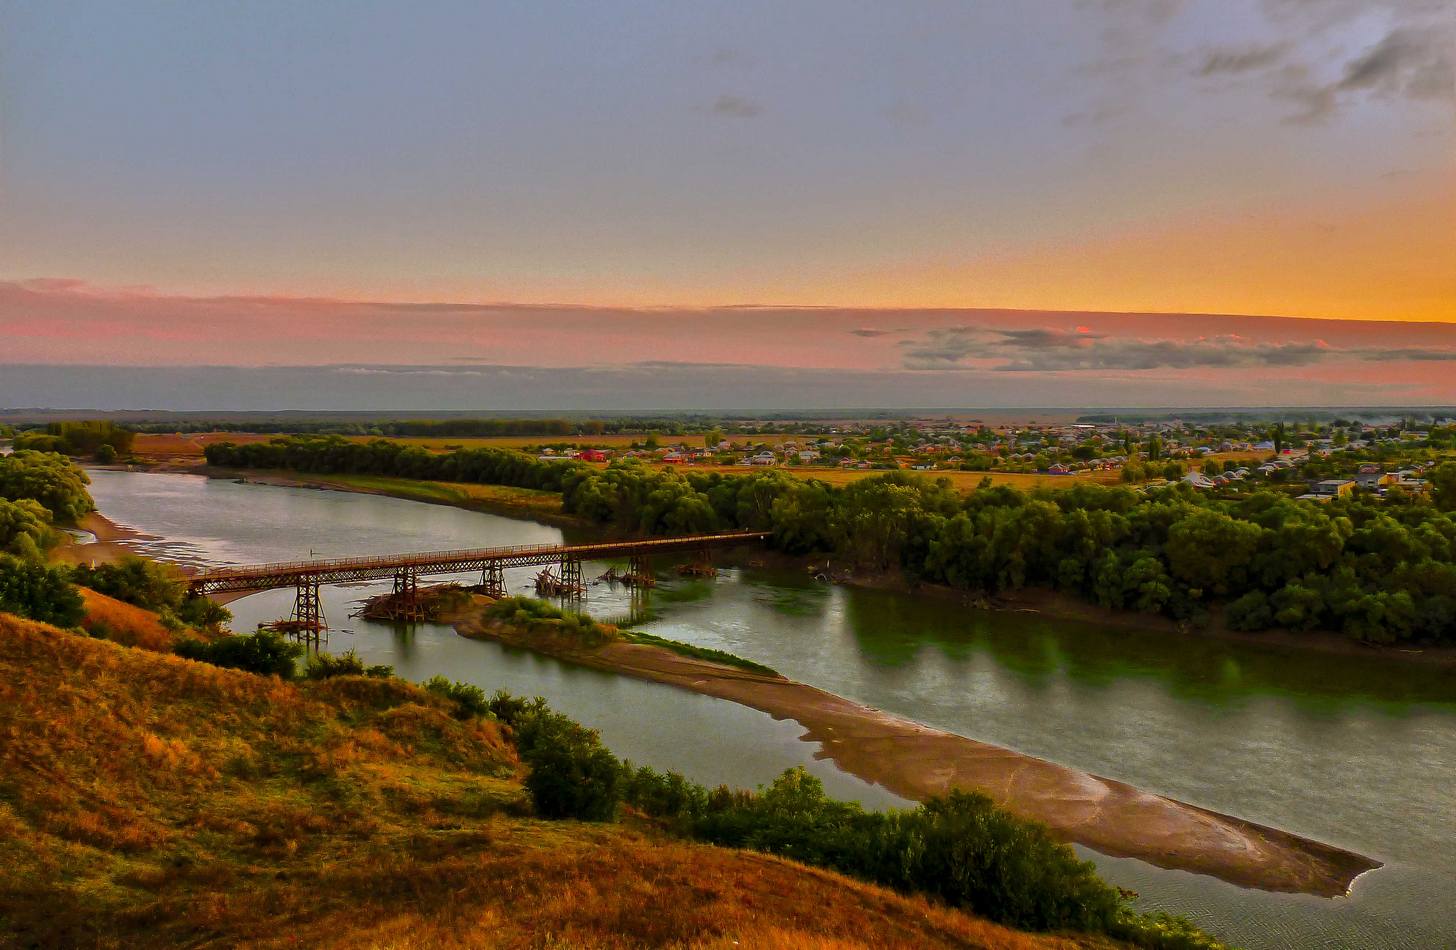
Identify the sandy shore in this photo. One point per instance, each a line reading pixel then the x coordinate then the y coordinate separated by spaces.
pixel 111 542
pixel 916 762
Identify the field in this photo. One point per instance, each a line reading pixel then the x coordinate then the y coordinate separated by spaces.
pixel 461 494
pixel 151 801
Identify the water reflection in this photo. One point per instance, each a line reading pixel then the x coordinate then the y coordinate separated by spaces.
pixel 1357 750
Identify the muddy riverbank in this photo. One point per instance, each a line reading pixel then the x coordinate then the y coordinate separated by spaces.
pixel 917 762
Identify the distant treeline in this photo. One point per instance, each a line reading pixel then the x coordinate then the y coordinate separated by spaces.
pixel 1380 570
pixel 103 439
pixel 436 428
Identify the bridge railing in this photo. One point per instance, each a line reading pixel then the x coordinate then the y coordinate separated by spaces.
pixel 581 551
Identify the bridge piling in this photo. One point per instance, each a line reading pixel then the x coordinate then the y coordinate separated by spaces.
pixel 405 604
pixel 307 621
pixel 493 579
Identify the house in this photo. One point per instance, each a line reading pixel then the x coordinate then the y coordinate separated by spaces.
pixel 1198 480
pixel 673 458
pixel 1057 468
pixel 763 458
pixel 1376 480
pixel 1333 488
pixel 594 455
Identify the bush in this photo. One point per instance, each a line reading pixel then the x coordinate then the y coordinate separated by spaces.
pixel 571 774
pixel 48 478
pixel 470 701
pixel 153 586
pixel 106 453
pixel 663 794
pixel 322 666
pixel 42 593
pixel 266 653
pixel 1250 612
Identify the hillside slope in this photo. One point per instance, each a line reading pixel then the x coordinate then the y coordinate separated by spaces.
pixel 147 800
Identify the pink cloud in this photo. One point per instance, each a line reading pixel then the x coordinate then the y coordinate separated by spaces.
pixel 64 320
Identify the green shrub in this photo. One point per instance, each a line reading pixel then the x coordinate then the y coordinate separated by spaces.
pixel 51 479
pixel 322 666
pixel 571 774
pixel 154 586
pixel 469 700
pixel 39 592
pixel 1250 612
pixel 266 653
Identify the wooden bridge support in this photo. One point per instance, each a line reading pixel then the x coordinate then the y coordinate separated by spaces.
pixel 405 604
pixel 700 566
pixel 639 571
pixel 307 620
pixel 571 586
pixel 493 579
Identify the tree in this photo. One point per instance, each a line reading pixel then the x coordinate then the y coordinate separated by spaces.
pixel 25 529
pixel 1443 486
pixel 712 437
pixel 42 593
pixel 48 478
pixel 1206 547
pixel 265 653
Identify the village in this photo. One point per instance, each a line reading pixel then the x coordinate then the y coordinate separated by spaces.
pixel 1331 460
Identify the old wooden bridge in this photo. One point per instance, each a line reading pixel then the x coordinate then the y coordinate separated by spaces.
pixel 406 569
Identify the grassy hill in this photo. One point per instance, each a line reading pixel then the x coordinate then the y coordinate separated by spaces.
pixel 148 800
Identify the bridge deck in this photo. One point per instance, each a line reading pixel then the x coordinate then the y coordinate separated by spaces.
pixel 344 570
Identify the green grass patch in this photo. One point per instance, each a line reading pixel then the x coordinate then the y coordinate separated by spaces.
pixel 697 652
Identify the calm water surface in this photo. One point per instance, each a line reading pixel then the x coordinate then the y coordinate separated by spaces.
pixel 1356 750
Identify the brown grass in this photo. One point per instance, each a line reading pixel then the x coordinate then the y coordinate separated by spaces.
pixel 150 801
pixel 112 619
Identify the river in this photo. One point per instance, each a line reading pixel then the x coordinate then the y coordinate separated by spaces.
pixel 1356 750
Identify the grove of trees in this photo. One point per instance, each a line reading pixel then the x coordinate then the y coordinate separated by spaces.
pixel 1380 570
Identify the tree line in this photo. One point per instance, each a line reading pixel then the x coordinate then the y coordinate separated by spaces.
pixel 102 440
pixel 1379 570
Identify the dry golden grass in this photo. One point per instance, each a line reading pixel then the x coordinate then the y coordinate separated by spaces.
pixel 188 445
pixel 150 801
pixel 112 619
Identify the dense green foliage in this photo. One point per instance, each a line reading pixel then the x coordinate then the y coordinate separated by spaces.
pixel 322 666
pixel 540 616
pixel 469 700
pixel 153 586
pixel 328 454
pixel 30 589
pixel 80 438
pixel 1380 570
pixel 48 478
pixel 572 775
pixel 36 490
pixel 265 653
pixel 25 529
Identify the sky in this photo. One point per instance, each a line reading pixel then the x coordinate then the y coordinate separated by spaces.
pixel 760 205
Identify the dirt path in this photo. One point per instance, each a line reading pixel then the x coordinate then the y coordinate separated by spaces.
pixel 916 762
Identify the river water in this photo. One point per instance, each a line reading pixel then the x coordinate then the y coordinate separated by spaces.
pixel 1356 750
